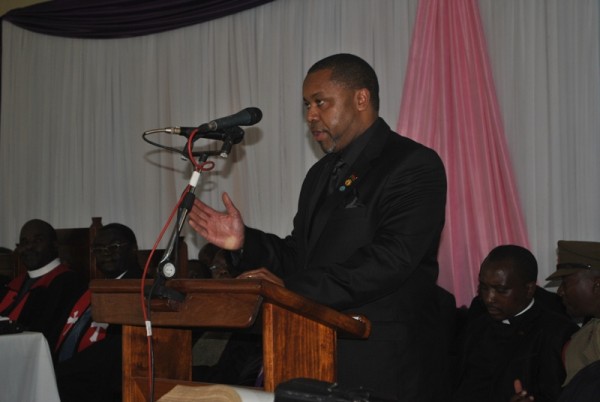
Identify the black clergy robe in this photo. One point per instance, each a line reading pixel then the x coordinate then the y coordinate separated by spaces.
pixel 494 354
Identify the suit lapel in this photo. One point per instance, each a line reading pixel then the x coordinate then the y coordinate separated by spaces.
pixel 316 197
pixel 321 214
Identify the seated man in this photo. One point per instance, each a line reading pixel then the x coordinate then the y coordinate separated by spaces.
pixel 516 339
pixel 40 298
pixel 216 261
pixel 88 353
pixel 578 269
pixel 6 265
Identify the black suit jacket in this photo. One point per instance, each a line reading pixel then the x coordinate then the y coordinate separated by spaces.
pixel 494 354
pixel 370 248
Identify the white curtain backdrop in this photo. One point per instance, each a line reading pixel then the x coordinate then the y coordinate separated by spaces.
pixel 73 112
pixel 546 66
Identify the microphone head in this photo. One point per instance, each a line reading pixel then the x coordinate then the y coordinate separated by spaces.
pixel 254 115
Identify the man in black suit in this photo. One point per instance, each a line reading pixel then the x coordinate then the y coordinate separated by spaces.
pixel 365 235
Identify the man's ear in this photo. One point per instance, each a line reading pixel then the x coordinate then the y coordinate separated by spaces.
pixel 596 286
pixel 362 99
pixel 531 286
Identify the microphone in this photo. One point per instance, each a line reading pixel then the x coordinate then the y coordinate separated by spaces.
pixel 233 134
pixel 247 117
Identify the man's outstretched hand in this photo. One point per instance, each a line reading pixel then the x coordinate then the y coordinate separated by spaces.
pixel 223 229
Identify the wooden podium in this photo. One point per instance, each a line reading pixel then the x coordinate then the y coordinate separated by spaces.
pixel 299 335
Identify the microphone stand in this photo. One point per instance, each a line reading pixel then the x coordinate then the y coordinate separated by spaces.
pixel 166 267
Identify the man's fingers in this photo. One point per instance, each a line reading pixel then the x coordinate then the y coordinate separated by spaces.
pixel 229 206
pixel 518 386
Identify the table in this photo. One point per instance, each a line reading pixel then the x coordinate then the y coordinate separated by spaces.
pixel 26 370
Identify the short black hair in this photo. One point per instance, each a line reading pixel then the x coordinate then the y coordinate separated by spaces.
pixel 124 231
pixel 521 260
pixel 47 229
pixel 351 71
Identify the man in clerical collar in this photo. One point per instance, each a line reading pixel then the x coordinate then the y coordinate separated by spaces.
pixel 88 353
pixel 516 339
pixel 40 298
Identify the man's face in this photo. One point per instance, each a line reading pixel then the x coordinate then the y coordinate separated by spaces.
pixel 113 253
pixel 577 293
pixel 502 291
pixel 35 247
pixel 331 111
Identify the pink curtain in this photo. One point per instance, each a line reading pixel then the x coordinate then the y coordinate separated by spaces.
pixel 449 104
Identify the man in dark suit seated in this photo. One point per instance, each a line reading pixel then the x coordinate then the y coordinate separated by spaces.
pixel 40 298
pixel 6 265
pixel 88 354
pixel 517 338
pixel 578 270
pixel 365 236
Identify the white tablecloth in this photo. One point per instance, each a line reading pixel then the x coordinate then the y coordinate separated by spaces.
pixel 26 371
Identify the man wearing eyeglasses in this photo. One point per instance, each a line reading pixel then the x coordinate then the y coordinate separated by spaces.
pixel 88 353
pixel 40 298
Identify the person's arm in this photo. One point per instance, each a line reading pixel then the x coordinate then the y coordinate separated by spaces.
pixel 223 229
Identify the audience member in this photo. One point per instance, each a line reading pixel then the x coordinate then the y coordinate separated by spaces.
pixel 516 339
pixel 548 300
pixel 578 269
pixel 6 265
pixel 212 263
pixel 40 298
pixel 365 236
pixel 88 354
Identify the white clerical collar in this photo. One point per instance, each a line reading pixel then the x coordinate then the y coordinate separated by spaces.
pixel 36 273
pixel 522 312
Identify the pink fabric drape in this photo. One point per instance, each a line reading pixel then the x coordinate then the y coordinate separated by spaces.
pixel 449 104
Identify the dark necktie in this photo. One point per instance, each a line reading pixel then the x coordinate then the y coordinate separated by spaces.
pixel 336 174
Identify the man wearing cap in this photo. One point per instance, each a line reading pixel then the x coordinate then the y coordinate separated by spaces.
pixel 578 269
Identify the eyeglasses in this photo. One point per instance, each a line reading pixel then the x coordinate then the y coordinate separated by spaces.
pixel 110 249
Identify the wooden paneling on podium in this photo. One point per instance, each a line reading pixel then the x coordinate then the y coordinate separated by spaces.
pixel 299 335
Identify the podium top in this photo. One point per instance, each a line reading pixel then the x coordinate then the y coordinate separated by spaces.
pixel 213 303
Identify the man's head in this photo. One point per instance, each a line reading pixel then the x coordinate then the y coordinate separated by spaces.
pixel 115 248
pixel 341 96
pixel 507 281
pixel 214 259
pixel 578 268
pixel 38 244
